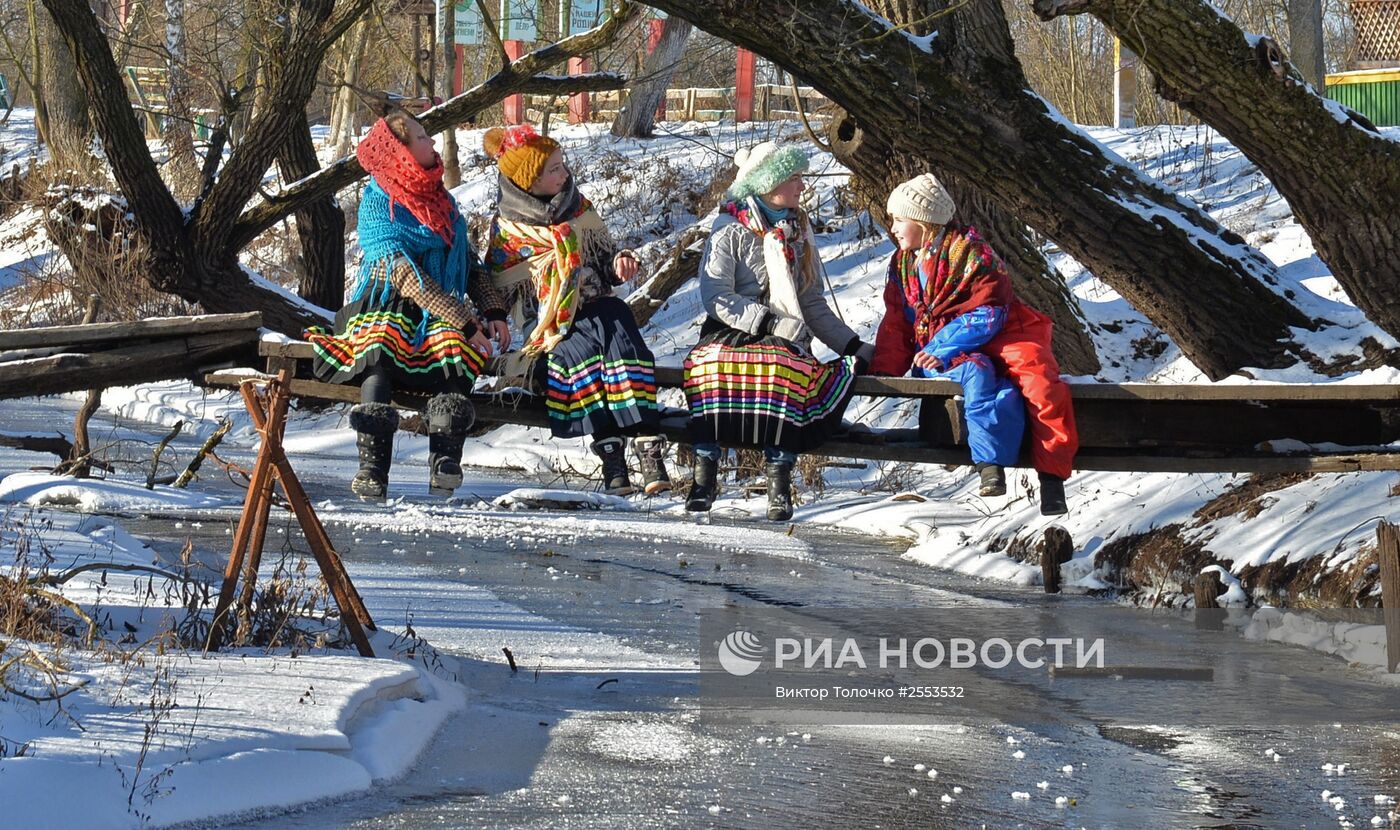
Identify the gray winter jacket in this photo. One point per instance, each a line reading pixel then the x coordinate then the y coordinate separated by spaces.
pixel 734 288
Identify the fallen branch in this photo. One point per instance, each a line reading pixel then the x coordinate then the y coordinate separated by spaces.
pixel 160 448
pixel 208 447
pixel 60 578
pixel 58 445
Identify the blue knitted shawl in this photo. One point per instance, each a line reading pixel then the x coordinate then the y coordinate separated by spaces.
pixel 387 233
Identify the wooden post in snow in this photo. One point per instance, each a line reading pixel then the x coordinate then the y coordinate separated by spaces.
pixel 1388 552
pixel 1124 86
pixel 1208 589
pixel 1059 549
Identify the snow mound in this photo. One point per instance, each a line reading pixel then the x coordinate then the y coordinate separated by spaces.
pixel 533 498
pixel 98 495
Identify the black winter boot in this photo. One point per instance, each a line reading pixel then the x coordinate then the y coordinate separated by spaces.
pixel 1052 496
pixel 449 417
pixel 651 456
pixel 374 424
pixel 779 490
pixel 705 486
pixel 613 452
pixel 993 479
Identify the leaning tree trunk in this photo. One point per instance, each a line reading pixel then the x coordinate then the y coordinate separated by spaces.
pixel 320 225
pixel 636 118
pixel 69 130
pixel 972 115
pixel 1340 176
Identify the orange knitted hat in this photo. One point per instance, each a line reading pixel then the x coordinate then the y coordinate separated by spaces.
pixel 520 152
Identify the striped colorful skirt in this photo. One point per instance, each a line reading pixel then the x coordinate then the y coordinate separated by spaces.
pixel 423 352
pixel 601 378
pixel 755 391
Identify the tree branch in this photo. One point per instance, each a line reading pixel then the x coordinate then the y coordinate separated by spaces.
pixel 519 77
pixel 293 78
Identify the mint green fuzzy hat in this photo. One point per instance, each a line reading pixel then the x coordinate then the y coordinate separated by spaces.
pixel 764 167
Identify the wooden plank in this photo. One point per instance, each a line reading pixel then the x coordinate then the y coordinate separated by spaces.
pixel 883 387
pixel 1215 424
pixel 1388 551
pixel 162 360
pixel 104 332
pixel 898 445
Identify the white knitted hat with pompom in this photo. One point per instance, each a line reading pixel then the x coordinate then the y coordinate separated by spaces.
pixel 763 167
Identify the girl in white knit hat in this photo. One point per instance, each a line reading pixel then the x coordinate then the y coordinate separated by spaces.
pixel 950 312
pixel 752 380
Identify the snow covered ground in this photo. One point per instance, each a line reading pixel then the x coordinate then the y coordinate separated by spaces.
pixel 168 736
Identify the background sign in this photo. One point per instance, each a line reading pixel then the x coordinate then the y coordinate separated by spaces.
pixel 518 20
pixel 469 30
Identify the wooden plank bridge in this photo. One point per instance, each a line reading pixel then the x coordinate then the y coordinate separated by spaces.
pixel 1194 428
pixel 1251 428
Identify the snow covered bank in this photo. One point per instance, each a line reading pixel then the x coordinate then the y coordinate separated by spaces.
pixel 152 735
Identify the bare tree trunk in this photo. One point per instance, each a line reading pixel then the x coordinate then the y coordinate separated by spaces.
pixel 80 458
pixel 36 71
pixel 1340 175
pixel 970 114
pixel 345 124
pixel 320 225
pixel 452 166
pixel 177 132
pixel 636 118
pixel 69 129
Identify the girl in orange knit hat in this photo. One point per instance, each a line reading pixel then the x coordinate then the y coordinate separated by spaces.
pixel 408 323
pixel 554 260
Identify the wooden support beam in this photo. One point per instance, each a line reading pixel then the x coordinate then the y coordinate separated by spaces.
pixel 743 84
pixel 259 486
pixel 272 465
pixel 156 328
pixel 580 103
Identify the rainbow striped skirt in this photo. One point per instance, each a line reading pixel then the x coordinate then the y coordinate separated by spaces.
pixel 601 378
pixel 424 352
pixel 754 391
